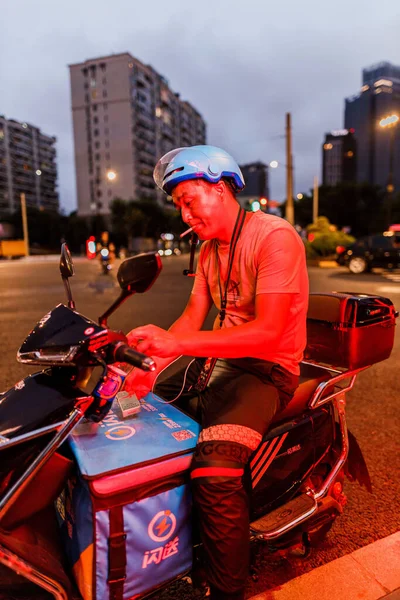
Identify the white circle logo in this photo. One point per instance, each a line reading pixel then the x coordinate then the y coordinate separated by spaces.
pixel 89 331
pixel 162 526
pixel 120 432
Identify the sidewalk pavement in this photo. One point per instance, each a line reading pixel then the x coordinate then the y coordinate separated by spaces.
pixel 370 573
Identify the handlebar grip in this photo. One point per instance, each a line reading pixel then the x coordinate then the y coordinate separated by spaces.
pixel 124 353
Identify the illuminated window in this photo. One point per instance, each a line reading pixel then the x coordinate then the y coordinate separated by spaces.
pixel 328 146
pixel 349 153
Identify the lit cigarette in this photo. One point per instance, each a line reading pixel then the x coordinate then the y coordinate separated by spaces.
pixel 186 232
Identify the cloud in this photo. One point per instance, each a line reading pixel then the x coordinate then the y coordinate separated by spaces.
pixel 243 65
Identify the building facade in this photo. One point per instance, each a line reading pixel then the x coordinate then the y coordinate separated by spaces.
pixel 378 98
pixel 256 178
pixel 339 156
pixel 125 116
pixel 27 165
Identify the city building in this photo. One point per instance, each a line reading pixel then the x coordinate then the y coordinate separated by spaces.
pixel 339 155
pixel 125 116
pixel 378 147
pixel 27 165
pixel 256 178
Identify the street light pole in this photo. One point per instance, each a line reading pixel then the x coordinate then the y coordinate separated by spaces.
pixel 289 172
pixel 390 122
pixel 315 200
pixel 25 223
pixel 390 186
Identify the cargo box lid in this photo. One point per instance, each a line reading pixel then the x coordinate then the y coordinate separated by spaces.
pixel 349 309
pixel 158 432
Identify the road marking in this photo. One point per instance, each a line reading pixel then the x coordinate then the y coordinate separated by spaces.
pixel 389 289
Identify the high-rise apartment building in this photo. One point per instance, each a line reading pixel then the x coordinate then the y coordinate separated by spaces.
pixel 378 98
pixel 125 117
pixel 27 165
pixel 256 178
pixel 339 155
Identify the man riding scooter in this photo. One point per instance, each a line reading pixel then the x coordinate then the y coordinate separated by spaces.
pixel 252 267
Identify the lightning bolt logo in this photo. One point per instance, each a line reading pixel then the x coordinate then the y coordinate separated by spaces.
pixel 161 530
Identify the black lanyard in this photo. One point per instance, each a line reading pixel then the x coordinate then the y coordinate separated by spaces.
pixel 235 237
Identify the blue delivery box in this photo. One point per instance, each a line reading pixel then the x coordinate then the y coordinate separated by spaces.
pixel 126 512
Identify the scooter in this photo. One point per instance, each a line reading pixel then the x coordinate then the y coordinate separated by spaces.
pixel 104 257
pixel 59 427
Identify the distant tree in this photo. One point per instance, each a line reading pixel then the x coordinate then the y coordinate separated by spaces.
pixel 361 207
pixel 323 238
pixel 75 231
pixel 44 227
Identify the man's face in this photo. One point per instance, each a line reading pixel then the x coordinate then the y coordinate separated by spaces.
pixel 200 205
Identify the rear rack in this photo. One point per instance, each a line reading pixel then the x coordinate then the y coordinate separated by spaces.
pixel 317 399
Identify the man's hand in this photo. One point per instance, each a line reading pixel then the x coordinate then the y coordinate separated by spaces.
pixel 154 341
pixel 139 382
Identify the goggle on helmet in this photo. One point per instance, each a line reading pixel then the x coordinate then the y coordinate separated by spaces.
pixel 196 162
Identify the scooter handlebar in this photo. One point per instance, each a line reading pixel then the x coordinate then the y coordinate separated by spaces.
pixel 124 353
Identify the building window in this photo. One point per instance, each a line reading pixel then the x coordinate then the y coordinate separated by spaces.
pixel 97 156
pixel 105 105
pixel 103 66
pixel 86 85
pixel 107 156
pixel 105 118
pixel 104 93
pixel 110 192
pixel 99 193
pixel 95 120
pixel 104 80
pixel 106 131
pixel 107 144
pixel 94 95
pixel 95 132
pixel 86 97
pixel 94 107
pixel 97 145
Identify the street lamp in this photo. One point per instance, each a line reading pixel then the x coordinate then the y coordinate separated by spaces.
pixel 111 175
pixel 390 122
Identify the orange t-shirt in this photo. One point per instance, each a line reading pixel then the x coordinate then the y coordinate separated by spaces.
pixel 269 258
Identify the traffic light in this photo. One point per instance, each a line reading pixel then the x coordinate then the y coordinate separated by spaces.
pixel 255 205
pixel 263 201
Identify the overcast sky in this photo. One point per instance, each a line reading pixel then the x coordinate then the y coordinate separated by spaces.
pixel 242 64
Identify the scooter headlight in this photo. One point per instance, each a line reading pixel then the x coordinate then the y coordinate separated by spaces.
pixel 55 355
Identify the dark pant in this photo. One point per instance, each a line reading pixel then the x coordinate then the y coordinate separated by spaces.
pixel 235 410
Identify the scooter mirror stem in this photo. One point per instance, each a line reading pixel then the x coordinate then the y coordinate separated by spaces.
pixel 121 298
pixel 71 303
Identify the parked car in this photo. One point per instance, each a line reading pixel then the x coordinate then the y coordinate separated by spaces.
pixel 371 251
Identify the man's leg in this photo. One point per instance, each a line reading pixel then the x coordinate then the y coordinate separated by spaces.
pixel 231 434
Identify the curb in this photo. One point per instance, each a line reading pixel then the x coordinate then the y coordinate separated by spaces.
pixel 370 573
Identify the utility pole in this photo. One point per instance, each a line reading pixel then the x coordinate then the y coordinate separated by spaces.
pixel 25 224
pixel 315 200
pixel 390 186
pixel 289 172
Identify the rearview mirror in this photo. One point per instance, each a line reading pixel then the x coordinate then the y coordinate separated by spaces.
pixel 66 264
pixel 137 274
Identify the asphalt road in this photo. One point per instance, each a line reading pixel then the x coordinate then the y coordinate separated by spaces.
pixel 28 290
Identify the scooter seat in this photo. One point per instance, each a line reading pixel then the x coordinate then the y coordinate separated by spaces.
pixel 310 377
